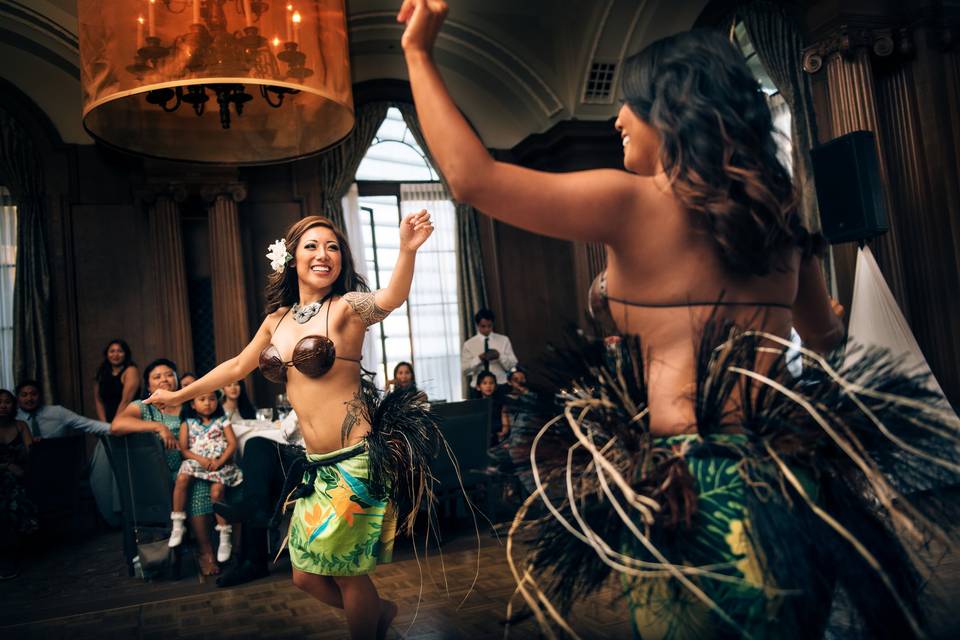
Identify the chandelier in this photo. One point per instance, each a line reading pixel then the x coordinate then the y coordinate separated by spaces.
pixel 220 81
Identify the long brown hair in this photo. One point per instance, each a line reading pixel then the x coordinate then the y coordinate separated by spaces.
pixel 718 147
pixel 283 289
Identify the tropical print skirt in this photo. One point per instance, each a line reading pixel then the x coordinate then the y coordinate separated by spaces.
pixel 341 528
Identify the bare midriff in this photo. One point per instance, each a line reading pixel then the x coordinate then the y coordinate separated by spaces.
pixel 323 404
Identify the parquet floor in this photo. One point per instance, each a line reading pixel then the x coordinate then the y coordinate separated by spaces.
pixel 82 592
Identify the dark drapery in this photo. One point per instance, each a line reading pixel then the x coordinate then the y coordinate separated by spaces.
pixel 776 38
pixel 338 166
pixel 471 281
pixel 21 172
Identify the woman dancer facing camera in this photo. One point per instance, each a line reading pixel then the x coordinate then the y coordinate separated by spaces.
pixel 318 312
pixel 730 497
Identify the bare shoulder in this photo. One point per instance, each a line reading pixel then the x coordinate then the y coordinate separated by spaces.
pixel 271 320
pixel 131 372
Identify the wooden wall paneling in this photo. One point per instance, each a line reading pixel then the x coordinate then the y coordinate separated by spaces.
pixel 116 285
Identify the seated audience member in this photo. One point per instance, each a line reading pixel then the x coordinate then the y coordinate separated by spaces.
pixel 18 515
pixel 404 379
pixel 188 378
pixel 236 403
pixel 51 420
pixel 487 388
pixel 207 443
pixel 139 417
pixel 521 424
pixel 265 464
pixel 487 351
pixel 117 381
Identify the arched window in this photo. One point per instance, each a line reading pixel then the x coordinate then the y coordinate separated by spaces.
pixel 8 268
pixel 393 179
pixel 778 106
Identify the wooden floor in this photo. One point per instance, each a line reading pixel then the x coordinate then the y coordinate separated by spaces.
pixel 83 592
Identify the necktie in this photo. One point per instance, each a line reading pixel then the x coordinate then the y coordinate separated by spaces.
pixel 34 425
pixel 486 347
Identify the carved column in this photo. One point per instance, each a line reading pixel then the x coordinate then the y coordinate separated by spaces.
pixel 847 55
pixel 167 240
pixel 230 326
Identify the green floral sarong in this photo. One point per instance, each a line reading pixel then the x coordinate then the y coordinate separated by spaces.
pixel 720 537
pixel 341 529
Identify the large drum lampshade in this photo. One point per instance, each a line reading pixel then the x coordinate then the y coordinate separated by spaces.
pixel 216 81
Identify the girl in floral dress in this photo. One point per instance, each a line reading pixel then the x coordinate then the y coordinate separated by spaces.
pixel 208 443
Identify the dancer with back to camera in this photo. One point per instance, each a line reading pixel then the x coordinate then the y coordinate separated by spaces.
pixel 731 497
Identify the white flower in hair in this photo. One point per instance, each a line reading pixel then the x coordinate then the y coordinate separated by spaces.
pixel 278 255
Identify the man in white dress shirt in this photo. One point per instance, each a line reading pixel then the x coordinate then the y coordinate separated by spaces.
pixel 487 351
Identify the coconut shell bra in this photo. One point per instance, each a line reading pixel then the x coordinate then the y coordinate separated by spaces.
pixel 314 355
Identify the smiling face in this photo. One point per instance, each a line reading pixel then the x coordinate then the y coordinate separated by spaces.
pixel 318 259
pixel 28 398
pixel 115 354
pixel 162 377
pixel 641 143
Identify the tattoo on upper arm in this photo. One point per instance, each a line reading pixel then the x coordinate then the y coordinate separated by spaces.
pixel 364 304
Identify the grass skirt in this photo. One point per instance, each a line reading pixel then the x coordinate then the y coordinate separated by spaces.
pixel 788 489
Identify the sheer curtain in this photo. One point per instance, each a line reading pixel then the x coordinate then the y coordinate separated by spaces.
pixel 433 306
pixel 8 268
pixel 353 225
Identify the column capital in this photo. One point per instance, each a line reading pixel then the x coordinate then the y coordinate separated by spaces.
pixel 149 193
pixel 235 191
pixel 847 39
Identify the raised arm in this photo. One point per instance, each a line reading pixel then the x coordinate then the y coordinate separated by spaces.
pixel 585 205
pixel 236 368
pixel 372 308
pixel 815 317
pixel 71 420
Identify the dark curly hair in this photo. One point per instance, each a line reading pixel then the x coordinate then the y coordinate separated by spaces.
pixel 718 147
pixel 282 288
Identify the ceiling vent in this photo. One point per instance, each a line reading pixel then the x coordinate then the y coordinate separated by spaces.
pixel 599 85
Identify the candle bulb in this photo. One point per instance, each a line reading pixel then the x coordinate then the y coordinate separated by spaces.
pixel 296 27
pixel 196 11
pixel 289 23
pixel 276 41
pixel 247 12
pixel 152 18
pixel 139 33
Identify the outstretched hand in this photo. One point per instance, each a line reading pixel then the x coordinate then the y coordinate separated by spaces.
pixel 415 228
pixel 423 19
pixel 161 398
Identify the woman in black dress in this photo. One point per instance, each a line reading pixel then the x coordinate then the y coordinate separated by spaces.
pixel 117 381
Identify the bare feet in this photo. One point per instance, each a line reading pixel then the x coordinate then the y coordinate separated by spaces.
pixel 388 611
pixel 208 566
